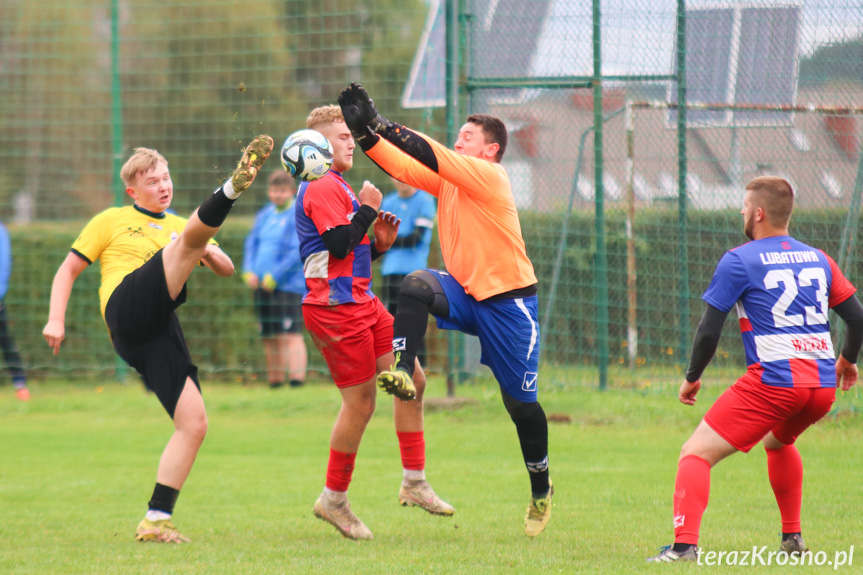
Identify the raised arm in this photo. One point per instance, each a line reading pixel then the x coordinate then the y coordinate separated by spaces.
pixel 61 290
pixel 414 158
pixel 341 240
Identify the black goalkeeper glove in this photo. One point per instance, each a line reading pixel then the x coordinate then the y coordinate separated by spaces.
pixel 361 116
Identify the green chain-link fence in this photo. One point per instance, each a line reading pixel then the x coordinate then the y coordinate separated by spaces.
pixel 624 226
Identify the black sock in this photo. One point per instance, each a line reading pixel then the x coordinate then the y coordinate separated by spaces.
pixel 787 536
pixel 295 382
pixel 410 325
pixel 531 424
pixel 164 498
pixel 682 547
pixel 215 209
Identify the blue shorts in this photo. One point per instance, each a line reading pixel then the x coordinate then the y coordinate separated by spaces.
pixel 508 332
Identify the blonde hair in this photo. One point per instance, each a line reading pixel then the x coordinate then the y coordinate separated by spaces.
pixel 141 162
pixel 775 196
pixel 324 116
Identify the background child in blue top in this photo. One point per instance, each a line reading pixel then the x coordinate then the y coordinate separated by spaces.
pixel 7 343
pixel 272 267
pixel 410 252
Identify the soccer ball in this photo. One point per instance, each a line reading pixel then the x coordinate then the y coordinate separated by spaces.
pixel 307 155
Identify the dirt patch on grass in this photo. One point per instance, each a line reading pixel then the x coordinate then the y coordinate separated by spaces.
pixel 448 403
pixel 559 418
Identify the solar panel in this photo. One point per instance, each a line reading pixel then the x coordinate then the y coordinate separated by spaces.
pixel 511 27
pixel 426 84
pixel 709 47
pixel 767 62
pixel 740 55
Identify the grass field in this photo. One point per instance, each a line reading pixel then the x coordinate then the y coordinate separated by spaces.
pixel 77 466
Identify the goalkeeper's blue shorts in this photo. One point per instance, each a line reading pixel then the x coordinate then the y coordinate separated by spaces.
pixel 508 332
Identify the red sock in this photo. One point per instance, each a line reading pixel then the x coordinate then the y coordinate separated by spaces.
pixel 691 493
pixel 412 445
pixel 785 469
pixel 340 469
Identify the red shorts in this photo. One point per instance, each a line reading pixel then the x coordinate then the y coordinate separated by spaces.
pixel 748 410
pixel 351 337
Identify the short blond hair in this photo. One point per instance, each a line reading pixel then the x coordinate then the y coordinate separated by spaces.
pixel 141 162
pixel 775 196
pixel 324 116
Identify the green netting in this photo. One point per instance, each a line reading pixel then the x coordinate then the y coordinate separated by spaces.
pixel 621 274
pixel 770 89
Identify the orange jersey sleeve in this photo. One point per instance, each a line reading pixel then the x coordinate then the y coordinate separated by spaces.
pixel 478 225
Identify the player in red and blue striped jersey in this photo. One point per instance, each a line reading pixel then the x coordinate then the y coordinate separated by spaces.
pixel 782 290
pixel 351 327
pixel 333 278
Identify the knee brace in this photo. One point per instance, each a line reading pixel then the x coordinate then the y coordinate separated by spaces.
pixel 520 411
pixel 424 286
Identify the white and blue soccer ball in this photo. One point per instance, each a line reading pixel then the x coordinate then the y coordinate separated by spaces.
pixel 307 155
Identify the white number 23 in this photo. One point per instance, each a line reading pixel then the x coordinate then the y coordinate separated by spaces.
pixel 815 315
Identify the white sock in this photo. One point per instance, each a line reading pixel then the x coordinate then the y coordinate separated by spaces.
pixel 337 498
pixel 228 189
pixel 415 474
pixel 156 515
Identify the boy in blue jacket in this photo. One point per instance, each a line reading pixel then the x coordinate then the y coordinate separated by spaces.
pixel 273 269
pixel 7 342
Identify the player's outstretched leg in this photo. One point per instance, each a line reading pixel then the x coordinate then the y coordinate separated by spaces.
pixel 182 256
pixel 420 294
pixel 215 209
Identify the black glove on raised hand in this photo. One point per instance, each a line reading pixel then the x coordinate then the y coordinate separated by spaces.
pixel 360 114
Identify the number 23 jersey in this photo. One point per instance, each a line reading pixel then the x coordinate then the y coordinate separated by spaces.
pixel 782 290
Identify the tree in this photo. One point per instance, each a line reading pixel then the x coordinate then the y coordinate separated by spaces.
pixel 842 61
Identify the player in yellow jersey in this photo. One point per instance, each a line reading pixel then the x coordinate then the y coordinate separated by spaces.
pixel 489 288
pixel 146 257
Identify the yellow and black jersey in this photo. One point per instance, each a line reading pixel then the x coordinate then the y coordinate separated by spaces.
pixel 123 239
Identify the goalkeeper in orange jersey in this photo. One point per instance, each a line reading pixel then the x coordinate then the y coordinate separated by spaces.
pixel 146 255
pixel 489 289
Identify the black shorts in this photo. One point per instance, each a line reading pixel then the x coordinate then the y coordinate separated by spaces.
pixel 146 332
pixel 278 312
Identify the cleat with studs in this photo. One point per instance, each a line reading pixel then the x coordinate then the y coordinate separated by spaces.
pixel 668 555
pixel 538 513
pixel 794 544
pixel 342 518
pixel 162 531
pixel 420 494
pixel 253 158
pixel 397 383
